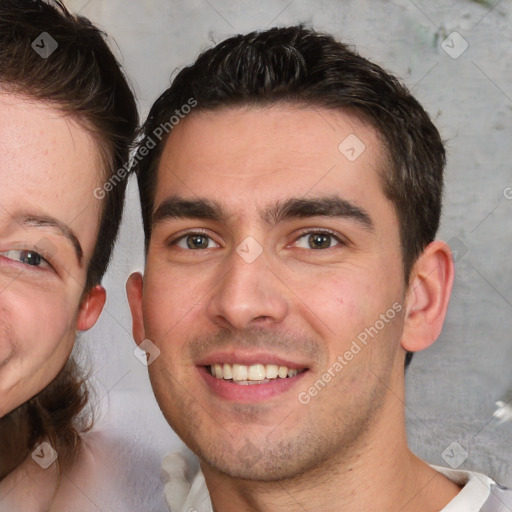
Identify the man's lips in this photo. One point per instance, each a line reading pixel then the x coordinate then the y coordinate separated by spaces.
pixel 246 391
pixel 252 374
pixel 250 357
pixel 238 365
pixel 249 377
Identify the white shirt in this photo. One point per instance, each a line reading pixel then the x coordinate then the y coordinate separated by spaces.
pixel 479 494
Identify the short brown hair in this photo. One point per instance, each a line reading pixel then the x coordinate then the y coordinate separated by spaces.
pixel 83 79
pixel 301 66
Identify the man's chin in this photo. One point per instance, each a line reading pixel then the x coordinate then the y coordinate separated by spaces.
pixel 257 472
pixel 268 464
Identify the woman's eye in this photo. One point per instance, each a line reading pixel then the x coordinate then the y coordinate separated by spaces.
pixel 27 257
pixel 317 241
pixel 195 241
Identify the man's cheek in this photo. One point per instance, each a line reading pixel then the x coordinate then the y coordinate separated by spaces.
pixel 171 294
pixel 349 314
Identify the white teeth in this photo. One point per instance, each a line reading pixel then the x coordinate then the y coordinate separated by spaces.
pixel 239 372
pixel 253 374
pixel 271 371
pixel 256 372
pixel 227 373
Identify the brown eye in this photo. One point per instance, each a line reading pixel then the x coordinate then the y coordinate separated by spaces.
pixel 319 241
pixel 197 242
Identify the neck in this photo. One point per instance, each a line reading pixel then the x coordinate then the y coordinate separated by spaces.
pixel 28 487
pixel 378 473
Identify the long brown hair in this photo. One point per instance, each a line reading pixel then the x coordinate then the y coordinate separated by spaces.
pixel 56 415
pixel 82 78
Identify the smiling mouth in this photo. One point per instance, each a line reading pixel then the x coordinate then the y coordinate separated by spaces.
pixel 253 374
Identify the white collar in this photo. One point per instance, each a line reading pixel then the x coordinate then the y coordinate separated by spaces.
pixel 475 491
pixel 183 495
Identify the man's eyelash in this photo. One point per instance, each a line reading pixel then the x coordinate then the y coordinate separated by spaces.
pixel 172 240
pixel 322 231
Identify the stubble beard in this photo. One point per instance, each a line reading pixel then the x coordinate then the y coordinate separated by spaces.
pixel 311 449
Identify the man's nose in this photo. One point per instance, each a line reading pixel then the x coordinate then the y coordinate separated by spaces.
pixel 249 294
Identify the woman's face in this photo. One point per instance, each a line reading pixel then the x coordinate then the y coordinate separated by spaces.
pixel 49 218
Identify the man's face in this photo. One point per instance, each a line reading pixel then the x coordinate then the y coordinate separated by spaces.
pixel 274 254
pixel 48 227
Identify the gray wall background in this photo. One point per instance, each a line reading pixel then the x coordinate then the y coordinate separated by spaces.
pixel 453 386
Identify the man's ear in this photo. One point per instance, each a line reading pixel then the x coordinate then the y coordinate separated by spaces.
pixel 91 307
pixel 134 287
pixel 430 285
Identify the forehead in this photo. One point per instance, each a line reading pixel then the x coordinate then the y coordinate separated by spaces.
pixel 50 164
pixel 32 128
pixel 249 155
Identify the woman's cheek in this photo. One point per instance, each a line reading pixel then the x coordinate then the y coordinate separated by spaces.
pixel 46 324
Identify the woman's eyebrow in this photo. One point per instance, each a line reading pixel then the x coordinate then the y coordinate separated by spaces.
pixel 42 220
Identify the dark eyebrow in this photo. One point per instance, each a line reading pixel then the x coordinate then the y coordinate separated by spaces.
pixel 331 206
pixel 178 208
pixel 39 221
